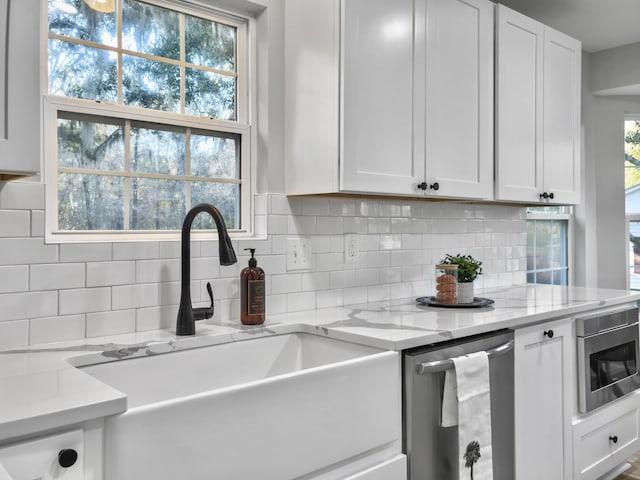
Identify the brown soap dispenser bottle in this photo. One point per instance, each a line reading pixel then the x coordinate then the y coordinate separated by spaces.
pixel 252 292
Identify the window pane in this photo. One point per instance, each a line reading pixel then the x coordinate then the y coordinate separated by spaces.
pixel 75 19
pixel 82 72
pixel 90 202
pixel 634 255
pixel 210 94
pixel 151 84
pixel 210 44
pixel 97 145
pixel 214 156
pixel 150 29
pixel 224 196
pixel 543 243
pixel 157 151
pixel 157 204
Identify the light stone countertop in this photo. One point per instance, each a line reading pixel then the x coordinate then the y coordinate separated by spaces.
pixel 40 388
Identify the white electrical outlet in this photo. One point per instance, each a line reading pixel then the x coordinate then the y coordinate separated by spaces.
pixel 299 254
pixel 351 249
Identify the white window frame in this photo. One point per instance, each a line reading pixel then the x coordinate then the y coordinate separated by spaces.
pixel 245 93
pixel 568 216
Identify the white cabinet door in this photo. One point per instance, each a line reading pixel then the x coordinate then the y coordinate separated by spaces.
pixel 537 111
pixel 519 77
pixel 377 70
pixel 19 88
pixel 542 408
pixel 562 63
pixel 454 83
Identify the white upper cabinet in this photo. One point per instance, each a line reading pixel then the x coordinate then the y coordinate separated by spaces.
pixel 19 88
pixel 389 97
pixel 537 111
pixel 454 96
pixel 377 97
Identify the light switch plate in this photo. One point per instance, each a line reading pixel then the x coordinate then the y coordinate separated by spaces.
pixel 299 255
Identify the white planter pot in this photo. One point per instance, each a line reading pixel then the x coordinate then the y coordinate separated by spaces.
pixel 465 292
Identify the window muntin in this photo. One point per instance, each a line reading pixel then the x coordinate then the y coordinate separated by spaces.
pixel 132 167
pixel 548 240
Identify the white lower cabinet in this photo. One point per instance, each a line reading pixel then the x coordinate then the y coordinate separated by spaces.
pixel 606 438
pixel 59 456
pixel 543 380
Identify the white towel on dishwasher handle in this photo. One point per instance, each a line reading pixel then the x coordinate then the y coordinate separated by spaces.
pixel 466 402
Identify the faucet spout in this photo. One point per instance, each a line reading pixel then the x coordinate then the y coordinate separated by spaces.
pixel 186 318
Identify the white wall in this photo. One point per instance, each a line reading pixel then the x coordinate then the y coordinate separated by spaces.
pixel 601 255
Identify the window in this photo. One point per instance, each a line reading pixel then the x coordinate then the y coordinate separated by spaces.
pixel 548 240
pixel 145 117
pixel 632 196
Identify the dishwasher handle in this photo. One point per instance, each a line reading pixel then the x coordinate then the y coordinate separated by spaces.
pixel 442 365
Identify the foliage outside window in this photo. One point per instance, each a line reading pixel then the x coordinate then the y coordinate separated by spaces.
pixel 632 197
pixel 147 104
pixel 548 245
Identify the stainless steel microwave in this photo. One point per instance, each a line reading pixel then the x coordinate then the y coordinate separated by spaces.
pixel 608 356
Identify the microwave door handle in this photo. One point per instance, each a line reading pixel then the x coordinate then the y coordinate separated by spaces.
pixel 442 365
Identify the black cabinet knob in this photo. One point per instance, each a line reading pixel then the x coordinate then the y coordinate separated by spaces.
pixel 435 186
pixel 67 457
pixel 546 195
pixel 423 186
pixel 551 195
pixel 614 439
pixel 548 333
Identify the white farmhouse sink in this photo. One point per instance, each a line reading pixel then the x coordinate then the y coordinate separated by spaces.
pixel 275 407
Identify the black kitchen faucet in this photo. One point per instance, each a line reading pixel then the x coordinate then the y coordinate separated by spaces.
pixel 187 315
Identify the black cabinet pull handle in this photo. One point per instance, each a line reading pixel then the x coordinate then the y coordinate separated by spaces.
pixel 546 195
pixel 614 439
pixel 548 333
pixel 435 186
pixel 67 457
pixel 423 186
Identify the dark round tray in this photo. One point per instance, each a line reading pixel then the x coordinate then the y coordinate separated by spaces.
pixel 477 303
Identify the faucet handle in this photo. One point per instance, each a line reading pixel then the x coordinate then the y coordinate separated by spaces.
pixel 205 312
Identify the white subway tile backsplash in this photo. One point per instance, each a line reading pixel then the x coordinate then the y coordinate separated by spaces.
pixel 20 195
pixel 155 318
pixel 342 207
pixel 136 250
pixel 122 287
pixel 314 206
pixel 113 322
pixel 85 300
pixel 329 298
pixel 286 283
pixel 56 329
pixel 24 305
pixel 300 301
pixel 56 276
pixel 23 251
pixel 301 225
pixel 134 296
pixel 316 281
pixel 14 279
pixel 101 274
pixel 85 252
pixel 156 271
pixel 15 223
pixel 14 334
pixel 329 225
pixel 37 223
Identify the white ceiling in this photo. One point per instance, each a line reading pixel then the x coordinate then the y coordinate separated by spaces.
pixel 599 24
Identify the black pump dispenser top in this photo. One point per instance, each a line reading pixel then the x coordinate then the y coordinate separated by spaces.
pixel 252 261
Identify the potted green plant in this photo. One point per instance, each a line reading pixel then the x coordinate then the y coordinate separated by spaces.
pixel 468 270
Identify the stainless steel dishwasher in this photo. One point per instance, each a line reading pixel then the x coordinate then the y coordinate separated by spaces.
pixel 431 449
